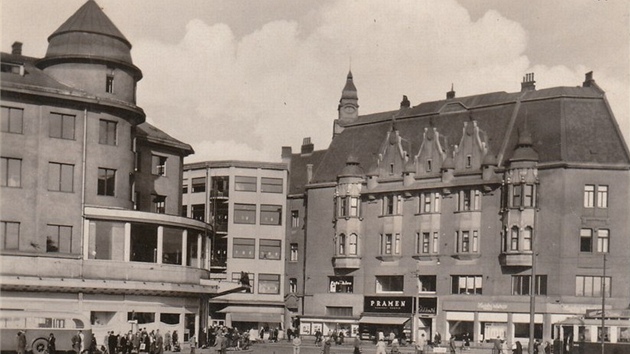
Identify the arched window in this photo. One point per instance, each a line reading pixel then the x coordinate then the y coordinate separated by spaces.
pixel 352 245
pixel 527 239
pixel 342 244
pixel 514 238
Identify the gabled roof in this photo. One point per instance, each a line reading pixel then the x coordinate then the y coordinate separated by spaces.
pixel 571 125
pixel 154 135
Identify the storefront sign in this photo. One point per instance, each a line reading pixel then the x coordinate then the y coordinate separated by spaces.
pixel 427 305
pixel 491 306
pixel 388 304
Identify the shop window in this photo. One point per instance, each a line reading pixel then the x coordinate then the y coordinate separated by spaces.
pixel 341 284
pixel 270 249
pixel 427 284
pixel 12 120
pixel 244 213
pixel 61 126
pixel 245 183
pixel 271 185
pixel 169 318
pixel 60 177
pixel 107 132
pixel 10 235
pixel 592 286
pixel 243 247
pixel 466 284
pixel 269 284
pixel 141 317
pixel 390 283
pixel 522 285
pixel 270 214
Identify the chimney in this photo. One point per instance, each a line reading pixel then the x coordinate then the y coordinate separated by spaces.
pixel 307 146
pixel 405 102
pixel 286 152
pixel 450 94
pixel 588 79
pixel 309 172
pixel 528 84
pixel 16 48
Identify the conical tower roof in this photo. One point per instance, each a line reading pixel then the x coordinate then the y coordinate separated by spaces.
pixel 88 35
pixel 349 91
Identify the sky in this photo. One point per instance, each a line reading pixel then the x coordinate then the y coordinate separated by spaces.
pixel 239 79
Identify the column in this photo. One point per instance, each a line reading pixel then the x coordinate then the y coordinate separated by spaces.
pixel 208 252
pixel 184 248
pixel 86 238
pixel 477 329
pixel 127 246
pixel 547 327
pixel 510 330
pixel 197 326
pixel 199 242
pixel 160 244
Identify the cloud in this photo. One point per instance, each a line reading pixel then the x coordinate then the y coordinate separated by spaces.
pixel 244 98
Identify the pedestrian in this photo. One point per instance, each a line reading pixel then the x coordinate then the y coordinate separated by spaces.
pixel 437 339
pixel 381 347
pixel 82 348
pixel 357 345
pixel 519 348
pixel 159 343
pixel 547 347
pixel 21 342
pixel 395 346
pixel 193 344
pixel 326 349
pixel 496 348
pixel 167 340
pixel 76 342
pixel 451 345
pixel 420 344
pixel 297 342
pixel 52 349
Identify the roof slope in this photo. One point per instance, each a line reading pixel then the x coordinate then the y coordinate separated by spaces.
pixel 154 135
pixel 298 178
pixel 571 125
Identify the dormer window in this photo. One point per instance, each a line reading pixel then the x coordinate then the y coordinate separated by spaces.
pixel 468 161
pixel 429 167
pixel 13 68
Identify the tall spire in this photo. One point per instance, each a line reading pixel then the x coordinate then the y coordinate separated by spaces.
pixel 349 102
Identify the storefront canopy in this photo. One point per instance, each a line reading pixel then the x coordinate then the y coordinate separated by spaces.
pixel 254 314
pixel 390 320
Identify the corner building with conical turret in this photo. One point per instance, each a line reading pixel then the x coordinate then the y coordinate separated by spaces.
pixel 91 194
pixel 447 218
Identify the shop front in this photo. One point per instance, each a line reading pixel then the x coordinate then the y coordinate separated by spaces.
pixel 386 317
pixel 253 317
pixel 425 319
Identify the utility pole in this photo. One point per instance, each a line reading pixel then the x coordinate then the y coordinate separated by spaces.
pixel 603 304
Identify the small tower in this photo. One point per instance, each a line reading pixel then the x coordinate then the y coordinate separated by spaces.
pixel 348 105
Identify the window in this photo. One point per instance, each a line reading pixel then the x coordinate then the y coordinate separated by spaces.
pixel 270 249
pixel 159 204
pixel 295 218
pixel 603 240
pixel 60 177
pixel 269 284
pixel 237 277
pixel 528 195
pixel 271 185
pixel 348 206
pixel 466 243
pixel 109 84
pixel 516 195
pixel 58 239
pixel 352 245
pixel 586 240
pixel 468 161
pixel 436 243
pixel 342 284
pixel 390 283
pixel 184 212
pixel 423 242
pixel 429 165
pixel 388 204
pixel 158 165
pixel 11 170
pixel 514 234
pixel 592 286
pixel 136 202
pixel 12 120
pixel 292 285
pixel 10 235
pixel 185 186
pixel 243 247
pixel 427 283
pixel 244 213
pixel 341 242
pixel 12 68
pixel 387 241
pixel 220 186
pixel 245 183
pixel 466 284
pixel 527 239
pixel 521 285
pixel 589 196
pixel 339 311
pixel 107 132
pixel 198 184
pixel 602 196
pixel 342 207
pixel 270 214
pixel 198 211
pixel 469 200
pixel 354 206
pixel 106 181
pixel 61 126
pixel 293 255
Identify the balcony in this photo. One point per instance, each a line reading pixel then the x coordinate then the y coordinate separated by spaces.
pixel 520 259
pixel 344 262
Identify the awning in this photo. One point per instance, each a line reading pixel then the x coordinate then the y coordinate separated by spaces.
pixel 384 320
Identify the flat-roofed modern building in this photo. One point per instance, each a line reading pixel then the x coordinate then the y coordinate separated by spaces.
pixel 245 204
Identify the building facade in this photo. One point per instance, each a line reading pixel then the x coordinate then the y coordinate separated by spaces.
pixel 91 194
pixel 245 203
pixel 435 218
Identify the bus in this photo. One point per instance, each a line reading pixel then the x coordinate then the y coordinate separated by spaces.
pixel 584 334
pixel 38 325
